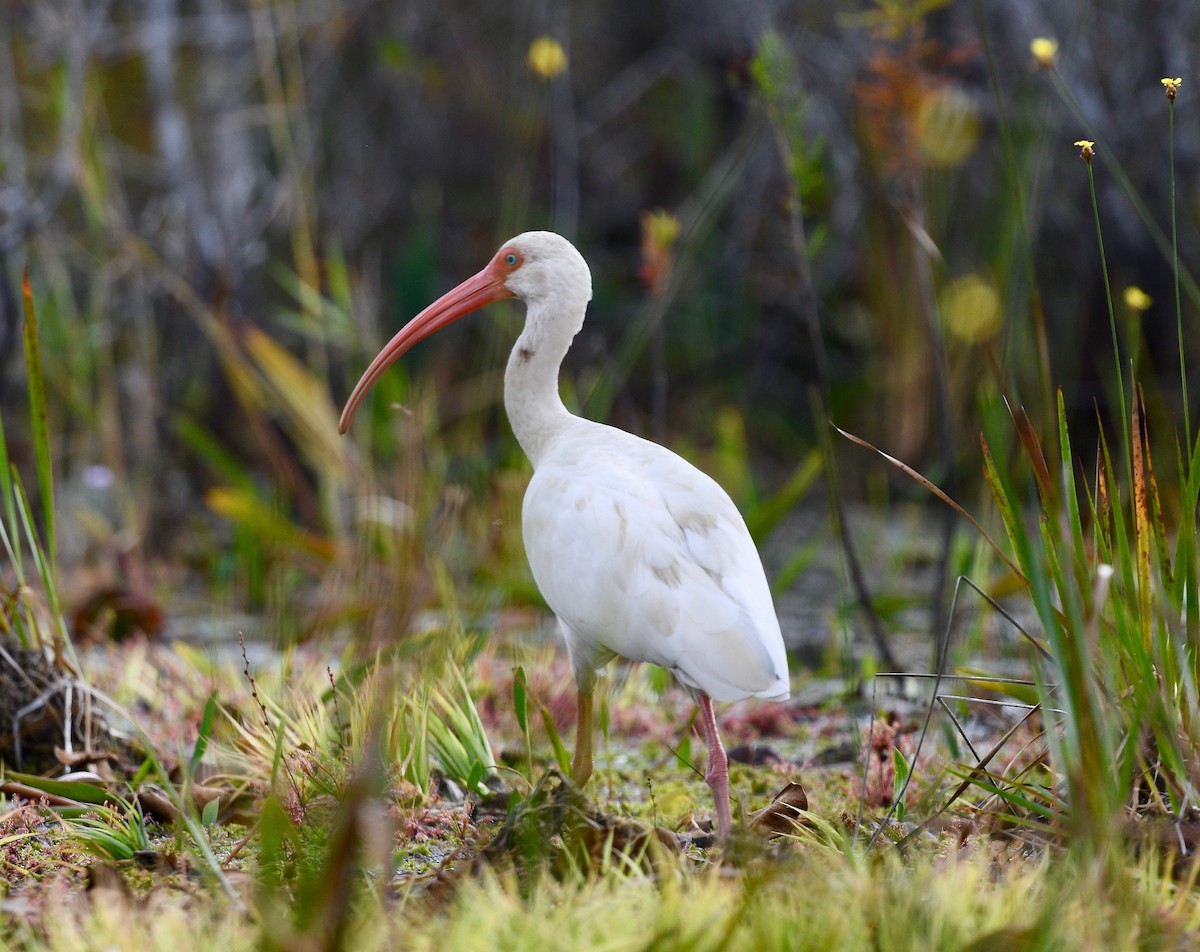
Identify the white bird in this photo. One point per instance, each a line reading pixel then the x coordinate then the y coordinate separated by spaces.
pixel 638 553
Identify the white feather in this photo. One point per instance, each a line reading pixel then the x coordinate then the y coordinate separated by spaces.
pixel 642 555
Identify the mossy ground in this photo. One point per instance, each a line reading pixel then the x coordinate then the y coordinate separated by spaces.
pixel 425 871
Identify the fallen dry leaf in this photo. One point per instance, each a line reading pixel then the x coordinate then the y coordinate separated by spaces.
pixel 157 805
pixel 784 814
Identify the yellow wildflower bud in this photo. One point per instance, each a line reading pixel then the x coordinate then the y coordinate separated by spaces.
pixel 1136 299
pixel 661 226
pixel 546 57
pixel 1086 150
pixel 1044 50
pixel 659 230
pixel 1172 86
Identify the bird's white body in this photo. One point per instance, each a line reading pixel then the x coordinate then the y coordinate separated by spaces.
pixel 637 552
pixel 642 556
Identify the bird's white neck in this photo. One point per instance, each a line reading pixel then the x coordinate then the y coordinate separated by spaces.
pixel 531 399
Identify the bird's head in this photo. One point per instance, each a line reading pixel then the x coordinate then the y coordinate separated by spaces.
pixel 539 267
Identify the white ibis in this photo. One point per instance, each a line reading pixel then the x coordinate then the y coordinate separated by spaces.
pixel 638 553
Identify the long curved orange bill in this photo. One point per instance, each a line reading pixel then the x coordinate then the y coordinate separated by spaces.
pixel 484 288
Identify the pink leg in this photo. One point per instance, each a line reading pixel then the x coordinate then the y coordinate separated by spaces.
pixel 717 771
pixel 581 764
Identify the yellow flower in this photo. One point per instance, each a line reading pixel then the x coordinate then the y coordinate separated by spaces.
pixel 1044 50
pixel 1172 86
pixel 971 309
pixel 1086 150
pixel 661 227
pixel 947 126
pixel 1136 299
pixel 546 57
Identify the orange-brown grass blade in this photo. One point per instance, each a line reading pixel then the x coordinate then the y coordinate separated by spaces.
pixel 1037 459
pixel 1141 523
pixel 1154 501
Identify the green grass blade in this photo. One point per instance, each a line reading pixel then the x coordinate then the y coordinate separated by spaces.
pixel 38 419
pixel 45 571
pixel 998 787
pixel 1112 319
pixel 1183 377
pixel 1008 514
pixel 1072 496
pixel 560 750
pixel 1187 569
pixel 213 454
pixel 12 546
pixel 769 513
pixel 6 493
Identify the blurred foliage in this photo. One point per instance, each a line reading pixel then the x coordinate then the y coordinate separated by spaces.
pixel 227 209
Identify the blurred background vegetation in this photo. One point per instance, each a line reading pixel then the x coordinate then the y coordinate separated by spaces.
pixel 226 208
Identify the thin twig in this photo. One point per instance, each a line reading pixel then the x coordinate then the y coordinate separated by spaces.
pixel 337 714
pixel 962 732
pixel 287 767
pixel 253 685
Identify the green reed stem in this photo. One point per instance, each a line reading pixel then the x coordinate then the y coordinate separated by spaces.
pixel 1190 287
pixel 1112 317
pixel 1187 418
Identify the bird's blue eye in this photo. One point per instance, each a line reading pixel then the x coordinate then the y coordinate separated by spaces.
pixel 510 258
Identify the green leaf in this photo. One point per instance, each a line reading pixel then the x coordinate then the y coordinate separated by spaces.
pixel 683 753
pixel 206 726
pixel 898 783
pixel 768 514
pixel 223 463
pixel 520 699
pixel 475 777
pixel 70 789
pixel 211 809
pixel 249 511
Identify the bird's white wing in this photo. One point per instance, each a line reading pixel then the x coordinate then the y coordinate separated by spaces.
pixel 642 555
